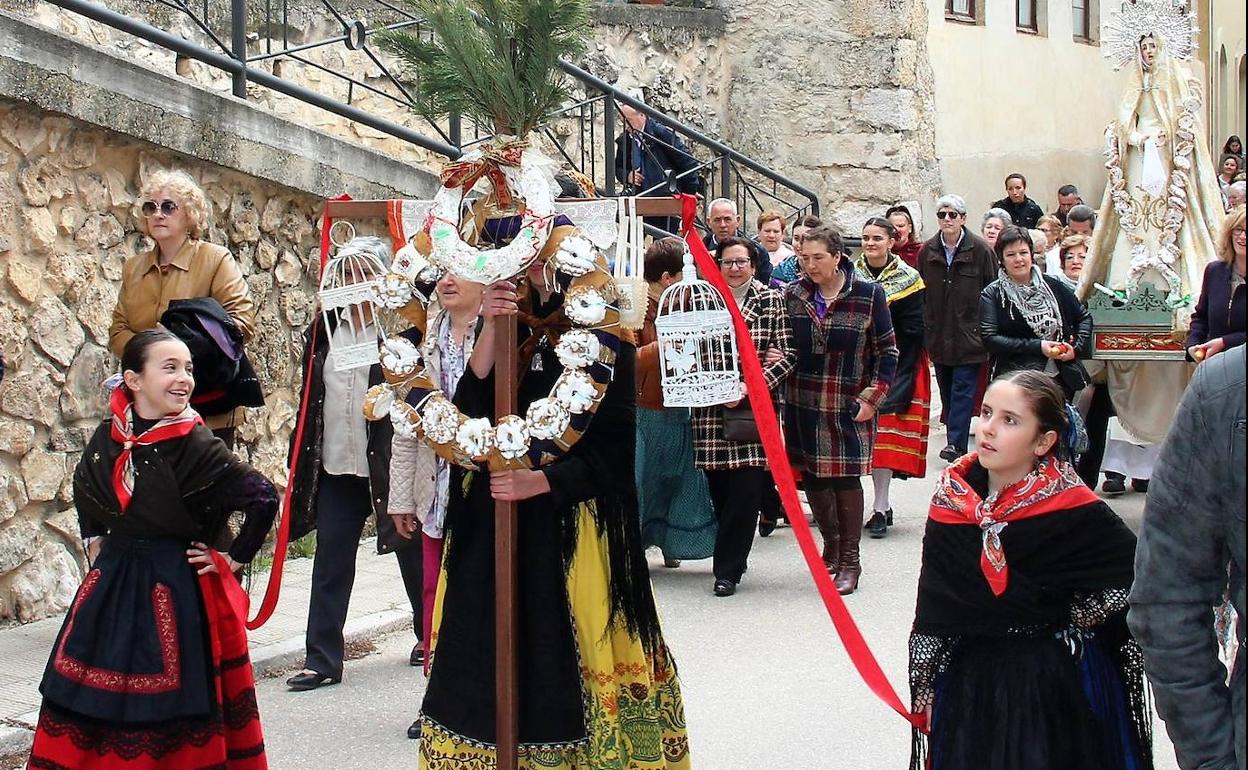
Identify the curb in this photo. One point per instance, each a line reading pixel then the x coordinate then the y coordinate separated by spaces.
pixel 278 657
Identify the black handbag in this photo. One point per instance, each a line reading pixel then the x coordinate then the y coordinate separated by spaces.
pixel 739 424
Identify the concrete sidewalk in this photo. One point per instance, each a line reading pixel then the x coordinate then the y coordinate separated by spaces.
pixel 379 605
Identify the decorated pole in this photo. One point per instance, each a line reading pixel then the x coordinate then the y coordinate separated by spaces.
pixel 507 714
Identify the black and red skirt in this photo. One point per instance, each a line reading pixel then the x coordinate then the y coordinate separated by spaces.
pixel 150 669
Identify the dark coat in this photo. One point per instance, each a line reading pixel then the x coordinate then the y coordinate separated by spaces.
pixel 663 156
pixel 907 315
pixel 1013 345
pixel 1191 550
pixel 224 376
pixel 1218 314
pixel 307 473
pixel 1026 214
pixel 951 305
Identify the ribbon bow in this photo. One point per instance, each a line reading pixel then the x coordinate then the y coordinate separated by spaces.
pixel 465 174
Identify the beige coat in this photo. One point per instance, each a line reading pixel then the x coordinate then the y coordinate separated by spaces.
pixel 199 269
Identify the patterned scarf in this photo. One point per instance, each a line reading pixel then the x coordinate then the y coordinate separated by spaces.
pixel 170 426
pixel 1035 301
pixel 1053 486
pixel 898 279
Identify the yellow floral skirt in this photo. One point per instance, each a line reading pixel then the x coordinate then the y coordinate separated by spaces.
pixel 634 715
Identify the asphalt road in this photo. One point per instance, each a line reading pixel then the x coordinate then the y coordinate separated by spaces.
pixel 766 681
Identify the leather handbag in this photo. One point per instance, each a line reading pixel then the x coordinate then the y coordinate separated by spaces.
pixel 739 424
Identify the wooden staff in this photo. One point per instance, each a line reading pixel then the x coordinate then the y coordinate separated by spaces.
pixel 507 704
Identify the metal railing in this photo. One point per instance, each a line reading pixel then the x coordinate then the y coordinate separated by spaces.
pixel 583 133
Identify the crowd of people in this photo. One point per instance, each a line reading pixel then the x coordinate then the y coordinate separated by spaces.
pixel 850 345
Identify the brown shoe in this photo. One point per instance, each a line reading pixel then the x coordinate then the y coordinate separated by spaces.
pixel 849 505
pixel 823 508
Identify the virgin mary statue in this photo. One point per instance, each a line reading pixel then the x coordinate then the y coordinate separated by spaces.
pixel 1158 216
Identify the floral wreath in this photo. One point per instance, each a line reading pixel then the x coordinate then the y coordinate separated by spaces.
pixel 417 407
pixel 1163 260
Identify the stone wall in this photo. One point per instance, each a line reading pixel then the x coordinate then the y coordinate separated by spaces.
pixel 68 221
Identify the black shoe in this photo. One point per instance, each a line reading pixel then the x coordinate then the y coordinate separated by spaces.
pixel 1140 485
pixel 1115 484
pixel 888 517
pixel 765 528
pixel 877 525
pixel 413 730
pixel 310 681
pixel 725 588
pixel 950 453
pixel 417 658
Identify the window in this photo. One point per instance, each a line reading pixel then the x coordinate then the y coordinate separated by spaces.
pixel 1079 18
pixel 1025 15
pixel 962 10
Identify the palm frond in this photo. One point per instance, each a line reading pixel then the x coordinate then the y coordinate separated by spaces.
pixel 494 61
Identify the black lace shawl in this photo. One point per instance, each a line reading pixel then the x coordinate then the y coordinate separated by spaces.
pixel 1070 569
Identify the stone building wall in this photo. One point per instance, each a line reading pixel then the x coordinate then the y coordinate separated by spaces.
pixel 68 221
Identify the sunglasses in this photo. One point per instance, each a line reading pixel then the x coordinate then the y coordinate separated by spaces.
pixel 947 215
pixel 166 207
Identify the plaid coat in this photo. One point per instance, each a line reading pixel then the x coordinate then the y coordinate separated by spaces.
pixel 850 355
pixel 763 310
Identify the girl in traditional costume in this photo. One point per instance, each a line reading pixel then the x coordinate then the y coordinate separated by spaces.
pixel 1020 653
pixel 901 432
pixel 597 686
pixel 150 669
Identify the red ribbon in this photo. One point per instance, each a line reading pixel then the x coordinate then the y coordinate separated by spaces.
pixel 777 459
pixel 466 173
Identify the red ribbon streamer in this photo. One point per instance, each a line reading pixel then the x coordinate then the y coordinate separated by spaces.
pixel 777 458
pixel 465 173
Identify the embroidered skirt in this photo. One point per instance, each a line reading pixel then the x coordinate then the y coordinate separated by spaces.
pixel 672 494
pixel 150 670
pixel 603 704
pixel 901 438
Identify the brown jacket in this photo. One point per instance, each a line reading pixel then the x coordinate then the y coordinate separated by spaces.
pixel 951 307
pixel 649 384
pixel 200 269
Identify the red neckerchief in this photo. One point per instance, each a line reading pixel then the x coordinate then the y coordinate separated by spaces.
pixel 170 426
pixel 1053 486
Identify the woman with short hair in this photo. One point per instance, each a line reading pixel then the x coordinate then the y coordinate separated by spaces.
pixel 1029 320
pixel 771 226
pixel 846 360
pixel 175 213
pixel 1052 227
pixel 1073 253
pixel 994 221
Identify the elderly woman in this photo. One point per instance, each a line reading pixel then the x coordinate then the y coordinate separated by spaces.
pixel 790 269
pixel 175 214
pixel 1218 322
pixel 1072 254
pixel 1052 227
pixel 901 441
pixel 1029 320
pixel 735 464
pixel 846 361
pixel 907 244
pixel 995 220
pixel 771 226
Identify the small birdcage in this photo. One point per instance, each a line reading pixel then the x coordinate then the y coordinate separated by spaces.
pixel 697 346
pixel 349 301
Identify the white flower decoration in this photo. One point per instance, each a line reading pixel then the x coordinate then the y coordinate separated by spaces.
pixel 475 437
pixel 512 437
pixel 585 306
pixel 394 290
pixel 547 419
pixel 576 256
pixel 441 420
pixel 378 401
pixel 575 391
pixel 405 420
pixel 399 356
pixel 578 349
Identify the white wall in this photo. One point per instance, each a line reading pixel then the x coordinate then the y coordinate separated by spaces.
pixel 1009 101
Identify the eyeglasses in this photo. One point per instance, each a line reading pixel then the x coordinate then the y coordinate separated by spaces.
pixel 733 263
pixel 947 215
pixel 166 207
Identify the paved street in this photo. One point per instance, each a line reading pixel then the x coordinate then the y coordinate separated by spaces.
pixel 767 684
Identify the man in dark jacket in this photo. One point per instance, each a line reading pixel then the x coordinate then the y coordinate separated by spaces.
pixel 651 160
pixel 1191 542
pixel 1023 210
pixel 956 265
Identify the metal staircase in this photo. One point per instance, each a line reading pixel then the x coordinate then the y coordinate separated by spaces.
pixel 252 40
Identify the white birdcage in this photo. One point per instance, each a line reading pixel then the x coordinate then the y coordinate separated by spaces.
pixel 349 301
pixel 697 346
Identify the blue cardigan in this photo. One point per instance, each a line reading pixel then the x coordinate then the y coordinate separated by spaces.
pixel 1218 314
